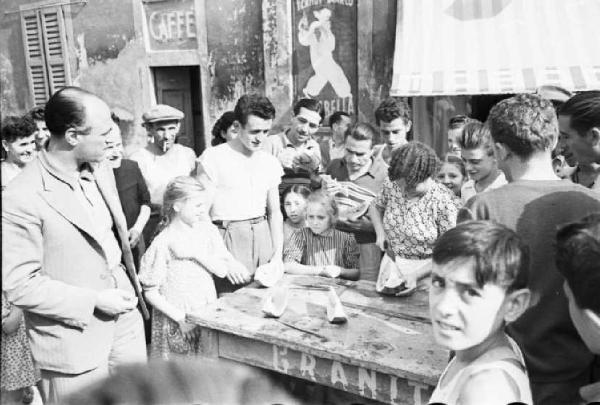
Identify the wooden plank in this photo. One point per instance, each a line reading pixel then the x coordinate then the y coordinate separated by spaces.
pixel 358 380
pixel 371 339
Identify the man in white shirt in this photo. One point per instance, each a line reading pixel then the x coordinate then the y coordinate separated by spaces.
pixel 480 163
pixel 162 159
pixel 245 180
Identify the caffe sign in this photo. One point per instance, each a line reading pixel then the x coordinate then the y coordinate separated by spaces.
pixel 170 25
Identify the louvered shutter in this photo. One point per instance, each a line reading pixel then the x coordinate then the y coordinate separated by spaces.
pixel 34 56
pixel 55 46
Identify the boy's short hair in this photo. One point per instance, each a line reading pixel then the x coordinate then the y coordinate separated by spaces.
pixel 328 202
pixel 392 108
pixel 15 128
pixel 526 123
pixel 414 162
pixel 500 256
pixel 362 131
pixel 253 104
pixel 583 110
pixel 578 260
pixel 337 117
pixel 475 135
pixel 310 104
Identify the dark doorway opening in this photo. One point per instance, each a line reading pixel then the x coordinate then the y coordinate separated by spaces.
pixel 179 87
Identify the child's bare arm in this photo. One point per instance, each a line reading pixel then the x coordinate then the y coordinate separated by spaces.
pixel 10 324
pixel 155 298
pixel 494 387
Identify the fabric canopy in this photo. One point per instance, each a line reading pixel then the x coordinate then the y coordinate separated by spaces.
pixel 451 47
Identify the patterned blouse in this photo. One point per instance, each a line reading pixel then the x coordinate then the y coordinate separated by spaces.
pixel 332 247
pixel 413 225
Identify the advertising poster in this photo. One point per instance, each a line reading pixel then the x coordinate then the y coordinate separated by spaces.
pixel 324 57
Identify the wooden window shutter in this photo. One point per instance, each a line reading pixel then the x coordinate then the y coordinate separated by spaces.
pixel 34 56
pixel 55 44
pixel 45 51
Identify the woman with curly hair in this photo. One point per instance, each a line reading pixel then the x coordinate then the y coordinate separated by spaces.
pixel 224 131
pixel 413 210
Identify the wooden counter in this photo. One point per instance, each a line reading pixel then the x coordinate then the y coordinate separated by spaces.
pixel 384 352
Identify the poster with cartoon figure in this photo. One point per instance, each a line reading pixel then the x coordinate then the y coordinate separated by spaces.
pixel 325 66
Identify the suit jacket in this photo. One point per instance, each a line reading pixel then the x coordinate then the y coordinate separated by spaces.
pixel 53 266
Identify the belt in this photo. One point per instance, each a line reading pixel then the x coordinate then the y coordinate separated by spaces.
pixel 224 223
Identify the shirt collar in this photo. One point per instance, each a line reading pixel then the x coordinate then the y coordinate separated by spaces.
pixel 377 165
pixel 54 167
pixel 309 144
pixel 327 234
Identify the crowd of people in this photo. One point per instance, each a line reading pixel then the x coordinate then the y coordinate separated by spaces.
pixel 93 241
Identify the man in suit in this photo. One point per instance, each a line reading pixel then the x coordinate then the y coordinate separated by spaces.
pixel 66 259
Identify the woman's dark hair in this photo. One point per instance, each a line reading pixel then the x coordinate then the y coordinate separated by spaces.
pixel 222 125
pixel 578 260
pixel 500 256
pixel 297 189
pixel 414 162
pixel 14 128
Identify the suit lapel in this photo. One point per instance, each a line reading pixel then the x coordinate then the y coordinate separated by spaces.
pixel 107 186
pixel 61 198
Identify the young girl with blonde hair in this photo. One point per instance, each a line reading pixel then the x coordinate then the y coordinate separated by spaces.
pixel 177 270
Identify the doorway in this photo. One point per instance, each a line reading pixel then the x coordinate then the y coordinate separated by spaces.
pixel 179 87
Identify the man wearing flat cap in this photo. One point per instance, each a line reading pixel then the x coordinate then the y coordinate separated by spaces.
pixel 162 159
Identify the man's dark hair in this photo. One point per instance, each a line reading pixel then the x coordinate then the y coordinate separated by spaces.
pixel 222 125
pixel 414 162
pixel 392 108
pixel 310 104
pixel 253 104
pixel 500 256
pixel 37 113
pixel 578 260
pixel 66 110
pixel 362 131
pixel 337 117
pixel 583 110
pixel 15 128
pixel 475 135
pixel 526 123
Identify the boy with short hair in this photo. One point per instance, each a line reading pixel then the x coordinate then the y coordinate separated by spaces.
pixel 478 154
pixel 578 260
pixel 478 285
pixel 393 118
pixel 534 203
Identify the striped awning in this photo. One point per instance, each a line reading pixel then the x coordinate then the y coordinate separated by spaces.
pixel 453 47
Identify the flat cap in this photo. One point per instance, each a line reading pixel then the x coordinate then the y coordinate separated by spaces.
pixel 162 112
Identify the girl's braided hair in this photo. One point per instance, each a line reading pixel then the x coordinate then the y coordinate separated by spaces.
pixel 414 162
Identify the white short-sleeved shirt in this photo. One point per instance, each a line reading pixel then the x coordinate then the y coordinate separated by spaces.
pixel 468 189
pixel 241 182
pixel 158 171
